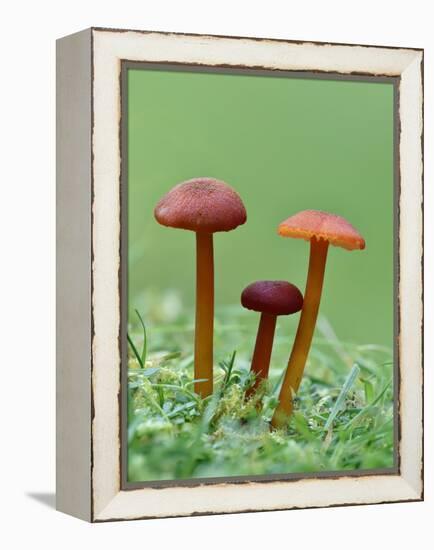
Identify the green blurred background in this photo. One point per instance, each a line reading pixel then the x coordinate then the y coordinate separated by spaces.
pixel 285 144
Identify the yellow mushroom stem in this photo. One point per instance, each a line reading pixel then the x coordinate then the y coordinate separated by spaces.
pixel 203 345
pixel 306 327
pixel 263 347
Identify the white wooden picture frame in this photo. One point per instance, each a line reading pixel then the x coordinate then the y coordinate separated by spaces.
pixel 89 267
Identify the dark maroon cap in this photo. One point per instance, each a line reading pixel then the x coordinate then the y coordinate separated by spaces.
pixel 273 297
pixel 203 205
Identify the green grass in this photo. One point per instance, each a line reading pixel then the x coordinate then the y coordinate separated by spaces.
pixel 343 418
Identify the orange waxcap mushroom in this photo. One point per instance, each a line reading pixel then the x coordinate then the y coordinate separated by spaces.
pixel 205 205
pixel 334 229
pixel 321 229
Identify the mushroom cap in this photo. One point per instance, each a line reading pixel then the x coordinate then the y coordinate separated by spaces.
pixel 310 224
pixel 201 204
pixel 273 297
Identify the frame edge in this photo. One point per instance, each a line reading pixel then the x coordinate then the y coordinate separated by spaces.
pixel 115 508
pixel 73 275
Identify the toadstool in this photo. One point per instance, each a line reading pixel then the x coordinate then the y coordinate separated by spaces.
pixel 270 298
pixel 205 206
pixel 321 229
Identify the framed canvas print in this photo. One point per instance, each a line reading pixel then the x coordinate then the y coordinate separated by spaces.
pixel 239 274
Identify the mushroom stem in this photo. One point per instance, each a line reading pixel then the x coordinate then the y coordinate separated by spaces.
pixel 306 327
pixel 263 347
pixel 203 346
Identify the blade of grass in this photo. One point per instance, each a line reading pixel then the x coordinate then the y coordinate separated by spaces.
pixel 351 378
pixel 369 389
pixel 145 340
pixel 276 389
pixel 230 366
pixel 173 387
pixel 327 330
pixel 210 411
pixel 136 353
pixel 368 408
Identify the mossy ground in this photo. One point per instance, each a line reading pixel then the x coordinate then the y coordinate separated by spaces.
pixel 343 418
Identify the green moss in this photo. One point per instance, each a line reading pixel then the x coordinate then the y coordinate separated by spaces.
pixel 174 434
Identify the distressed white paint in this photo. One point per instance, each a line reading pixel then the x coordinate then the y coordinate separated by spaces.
pixel 410 288
pixel 178 501
pixel 110 47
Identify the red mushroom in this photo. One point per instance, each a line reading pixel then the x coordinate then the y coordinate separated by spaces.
pixel 205 206
pixel 270 298
pixel 321 229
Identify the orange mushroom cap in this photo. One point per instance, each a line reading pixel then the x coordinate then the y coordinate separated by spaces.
pixel 310 224
pixel 272 297
pixel 201 204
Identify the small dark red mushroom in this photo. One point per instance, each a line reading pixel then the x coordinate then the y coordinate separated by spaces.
pixel 270 298
pixel 205 206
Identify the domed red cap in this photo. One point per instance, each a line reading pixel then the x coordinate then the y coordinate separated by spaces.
pixel 273 297
pixel 201 204
pixel 310 224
